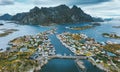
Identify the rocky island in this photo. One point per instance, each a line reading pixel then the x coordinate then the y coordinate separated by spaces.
pixel 116 26
pixel 111 35
pixel 5 32
pixel 81 27
pixel 84 27
pixel 27 53
pixel 80 44
pixel 1 24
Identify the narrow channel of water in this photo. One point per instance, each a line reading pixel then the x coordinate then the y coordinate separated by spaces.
pixel 59 65
pixel 65 65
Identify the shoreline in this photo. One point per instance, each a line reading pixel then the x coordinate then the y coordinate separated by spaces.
pixel 80 65
pixel 32 46
pixel 97 65
pixel 70 48
pixel 64 44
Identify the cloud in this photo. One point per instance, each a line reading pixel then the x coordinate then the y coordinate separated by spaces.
pixel 49 2
pixel 6 2
pixel 15 8
pixel 67 2
pixel 85 2
pixel 104 10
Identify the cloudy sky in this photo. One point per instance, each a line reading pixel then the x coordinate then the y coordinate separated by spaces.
pixel 100 8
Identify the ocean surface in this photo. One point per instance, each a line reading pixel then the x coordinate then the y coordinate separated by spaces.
pixel 61 65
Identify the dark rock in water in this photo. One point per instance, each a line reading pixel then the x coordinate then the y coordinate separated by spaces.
pixel 96 24
pixel 98 19
pixel 53 15
pixel 1 49
pixel 1 24
pixel 5 17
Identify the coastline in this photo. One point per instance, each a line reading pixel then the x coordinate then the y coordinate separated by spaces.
pixel 33 49
pixel 89 58
pixel 97 65
pixel 64 43
pixel 80 65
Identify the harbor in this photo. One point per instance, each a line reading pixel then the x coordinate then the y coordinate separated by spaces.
pixel 80 44
pixel 60 48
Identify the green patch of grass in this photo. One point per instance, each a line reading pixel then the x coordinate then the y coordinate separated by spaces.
pixel 19 62
pixel 112 48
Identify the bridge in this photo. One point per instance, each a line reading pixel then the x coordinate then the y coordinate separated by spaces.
pixel 67 57
pixel 59 56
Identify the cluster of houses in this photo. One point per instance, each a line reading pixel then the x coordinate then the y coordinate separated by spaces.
pixel 39 43
pixel 34 48
pixel 85 46
pixel 44 48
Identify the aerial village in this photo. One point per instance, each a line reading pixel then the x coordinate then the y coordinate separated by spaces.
pixel 32 51
pixel 98 53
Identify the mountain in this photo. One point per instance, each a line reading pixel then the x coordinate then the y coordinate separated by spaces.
pixel 5 17
pixel 53 15
pixel 19 16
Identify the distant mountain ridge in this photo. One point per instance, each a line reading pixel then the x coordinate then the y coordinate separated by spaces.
pixel 6 17
pixel 53 15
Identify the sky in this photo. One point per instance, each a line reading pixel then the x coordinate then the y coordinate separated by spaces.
pixel 97 8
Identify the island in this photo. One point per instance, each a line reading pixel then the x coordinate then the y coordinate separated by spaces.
pixel 81 27
pixel 27 53
pixel 1 24
pixel 97 53
pixel 94 24
pixel 116 26
pixel 111 35
pixel 5 32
